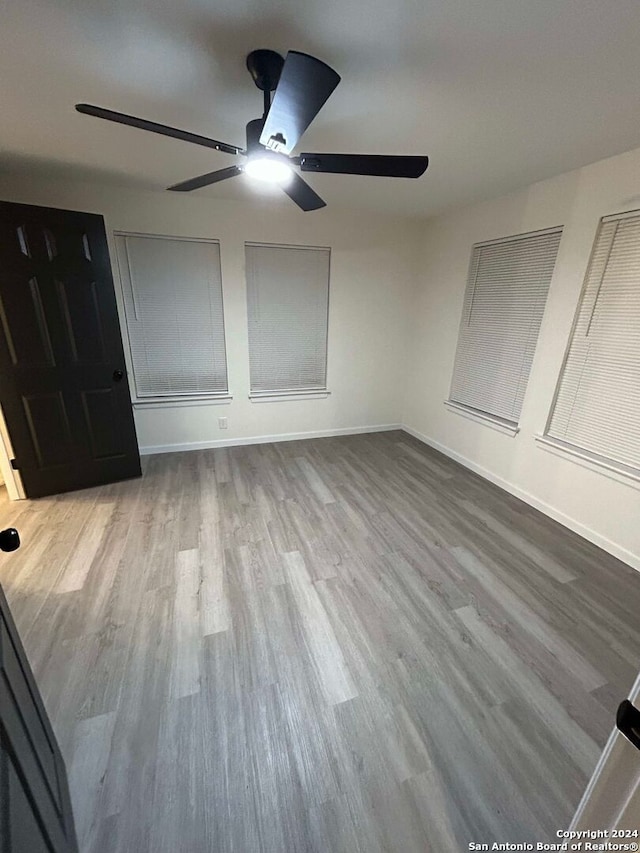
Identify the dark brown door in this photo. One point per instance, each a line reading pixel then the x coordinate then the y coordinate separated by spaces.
pixel 35 810
pixel 63 382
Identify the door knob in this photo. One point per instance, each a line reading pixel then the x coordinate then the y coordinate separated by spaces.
pixel 9 539
pixel 628 722
pixel 118 375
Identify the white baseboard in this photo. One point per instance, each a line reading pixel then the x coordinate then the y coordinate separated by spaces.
pixel 264 439
pixel 581 529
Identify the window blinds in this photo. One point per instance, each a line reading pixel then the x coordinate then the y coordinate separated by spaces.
pixel 502 312
pixel 288 303
pixel 173 305
pixel 597 405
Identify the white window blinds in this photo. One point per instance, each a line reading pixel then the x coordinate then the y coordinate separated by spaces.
pixel 173 304
pixel 288 303
pixel 503 307
pixel 597 406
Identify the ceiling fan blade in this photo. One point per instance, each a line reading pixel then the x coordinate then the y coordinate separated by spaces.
pixel 382 165
pixel 300 192
pixel 154 127
pixel 304 86
pixel 206 180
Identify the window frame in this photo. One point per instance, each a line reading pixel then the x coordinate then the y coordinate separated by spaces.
pixel 498 422
pixel 599 462
pixel 168 400
pixel 291 394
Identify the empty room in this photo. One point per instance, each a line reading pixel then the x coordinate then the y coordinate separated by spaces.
pixel 319 426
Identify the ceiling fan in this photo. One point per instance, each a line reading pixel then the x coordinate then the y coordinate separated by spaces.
pixel 302 85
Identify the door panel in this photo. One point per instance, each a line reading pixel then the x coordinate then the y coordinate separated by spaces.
pixel 24 831
pixel 35 809
pixel 49 428
pixel 102 423
pixel 81 311
pixel 21 308
pixel 34 730
pixel 69 417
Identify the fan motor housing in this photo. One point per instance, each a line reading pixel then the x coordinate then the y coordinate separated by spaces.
pixel 265 67
pixel 254 130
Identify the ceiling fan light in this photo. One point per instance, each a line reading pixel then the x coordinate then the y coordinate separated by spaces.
pixel 271 169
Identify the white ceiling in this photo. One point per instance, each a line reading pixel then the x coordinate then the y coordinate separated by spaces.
pixel 499 93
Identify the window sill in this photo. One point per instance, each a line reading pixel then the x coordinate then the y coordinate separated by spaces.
pixel 285 396
pixel 615 470
pixel 178 402
pixel 505 427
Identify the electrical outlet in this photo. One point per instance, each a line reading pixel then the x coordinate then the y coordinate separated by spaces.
pixel 222 423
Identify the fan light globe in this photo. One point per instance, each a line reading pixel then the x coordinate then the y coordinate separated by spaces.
pixel 270 169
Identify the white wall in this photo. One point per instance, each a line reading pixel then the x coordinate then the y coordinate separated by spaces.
pixel 602 507
pixel 396 295
pixel 372 270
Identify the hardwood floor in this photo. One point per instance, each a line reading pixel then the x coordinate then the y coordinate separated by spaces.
pixel 345 644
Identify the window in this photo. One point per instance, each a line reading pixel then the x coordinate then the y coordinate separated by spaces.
pixel 173 304
pixel 503 307
pixel 597 405
pixel 288 304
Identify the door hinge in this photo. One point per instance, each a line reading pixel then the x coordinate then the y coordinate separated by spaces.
pixel 14 465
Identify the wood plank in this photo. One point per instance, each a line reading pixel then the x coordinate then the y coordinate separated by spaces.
pixel 328 662
pixel 344 644
pixel 185 665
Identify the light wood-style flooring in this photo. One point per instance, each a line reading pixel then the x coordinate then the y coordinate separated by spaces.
pixel 344 644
